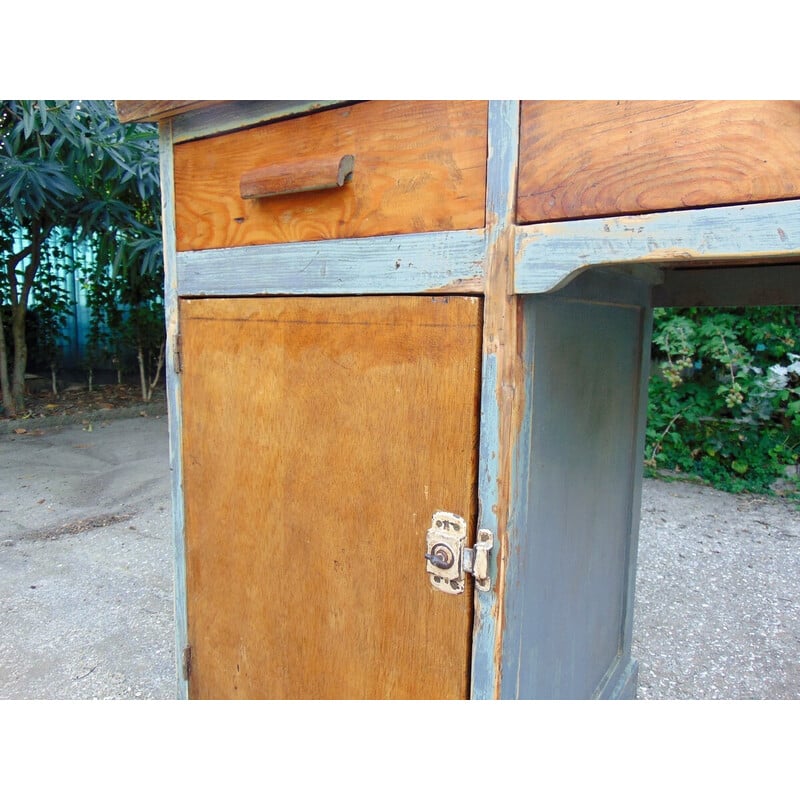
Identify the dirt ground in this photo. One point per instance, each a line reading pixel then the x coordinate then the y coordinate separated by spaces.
pixel 76 400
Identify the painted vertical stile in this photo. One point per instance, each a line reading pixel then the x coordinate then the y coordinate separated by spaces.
pixel 517 508
pixel 499 368
pixel 174 400
pixel 634 289
pixel 483 670
pixel 625 686
pixel 621 679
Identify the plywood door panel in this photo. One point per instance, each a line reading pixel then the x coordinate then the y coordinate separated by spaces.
pixel 320 434
pixel 605 158
pixel 418 167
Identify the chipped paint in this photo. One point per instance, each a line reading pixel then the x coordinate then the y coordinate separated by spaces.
pixel 499 394
pixel 437 262
pixel 548 256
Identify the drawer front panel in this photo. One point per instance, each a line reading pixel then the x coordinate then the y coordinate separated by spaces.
pixel 607 158
pixel 418 167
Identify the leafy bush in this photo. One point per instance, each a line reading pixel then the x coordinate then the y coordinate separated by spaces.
pixel 126 317
pixel 724 401
pixel 50 306
pixel 69 166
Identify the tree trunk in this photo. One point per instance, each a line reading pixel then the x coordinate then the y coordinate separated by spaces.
pixel 18 313
pixel 148 385
pixel 9 408
pixel 142 375
pixel 19 309
pixel 159 366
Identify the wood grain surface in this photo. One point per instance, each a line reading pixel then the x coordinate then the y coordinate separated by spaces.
pixel 419 167
pixel 602 158
pixel 550 254
pixel 300 175
pixel 154 110
pixel 320 434
pixel 444 262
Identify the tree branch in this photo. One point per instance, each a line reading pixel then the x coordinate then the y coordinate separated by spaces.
pixel 11 269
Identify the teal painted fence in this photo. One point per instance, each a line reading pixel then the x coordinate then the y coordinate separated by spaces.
pixel 75 332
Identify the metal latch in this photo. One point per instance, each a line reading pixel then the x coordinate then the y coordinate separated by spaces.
pixel 448 559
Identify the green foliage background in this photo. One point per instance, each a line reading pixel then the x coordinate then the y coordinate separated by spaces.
pixel 724 401
pixel 71 173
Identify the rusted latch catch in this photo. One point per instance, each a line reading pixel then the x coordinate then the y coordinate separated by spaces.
pixel 448 559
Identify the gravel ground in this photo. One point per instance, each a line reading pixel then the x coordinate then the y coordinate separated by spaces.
pixel 718 595
pixel 86 595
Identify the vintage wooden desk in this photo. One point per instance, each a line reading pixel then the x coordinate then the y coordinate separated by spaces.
pixel 380 311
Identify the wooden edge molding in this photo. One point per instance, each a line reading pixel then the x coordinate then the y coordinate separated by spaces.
pixel 156 110
pixel 197 119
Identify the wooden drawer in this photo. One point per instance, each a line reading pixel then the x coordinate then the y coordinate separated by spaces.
pixel 606 158
pixel 418 167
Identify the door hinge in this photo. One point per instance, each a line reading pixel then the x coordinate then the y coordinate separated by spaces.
pixel 186 662
pixel 448 558
pixel 177 352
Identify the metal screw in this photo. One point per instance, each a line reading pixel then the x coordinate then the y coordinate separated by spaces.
pixel 441 556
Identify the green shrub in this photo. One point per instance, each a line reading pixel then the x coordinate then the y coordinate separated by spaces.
pixel 724 396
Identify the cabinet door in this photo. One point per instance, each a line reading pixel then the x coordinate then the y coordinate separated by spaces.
pixel 319 436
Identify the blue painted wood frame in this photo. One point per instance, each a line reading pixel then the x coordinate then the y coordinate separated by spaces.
pixel 503 148
pixel 171 296
pixel 450 262
pixel 550 255
pixel 568 606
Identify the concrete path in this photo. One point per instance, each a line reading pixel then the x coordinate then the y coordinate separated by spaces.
pixel 86 594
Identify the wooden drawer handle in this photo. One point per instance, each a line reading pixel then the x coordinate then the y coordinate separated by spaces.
pixel 308 175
